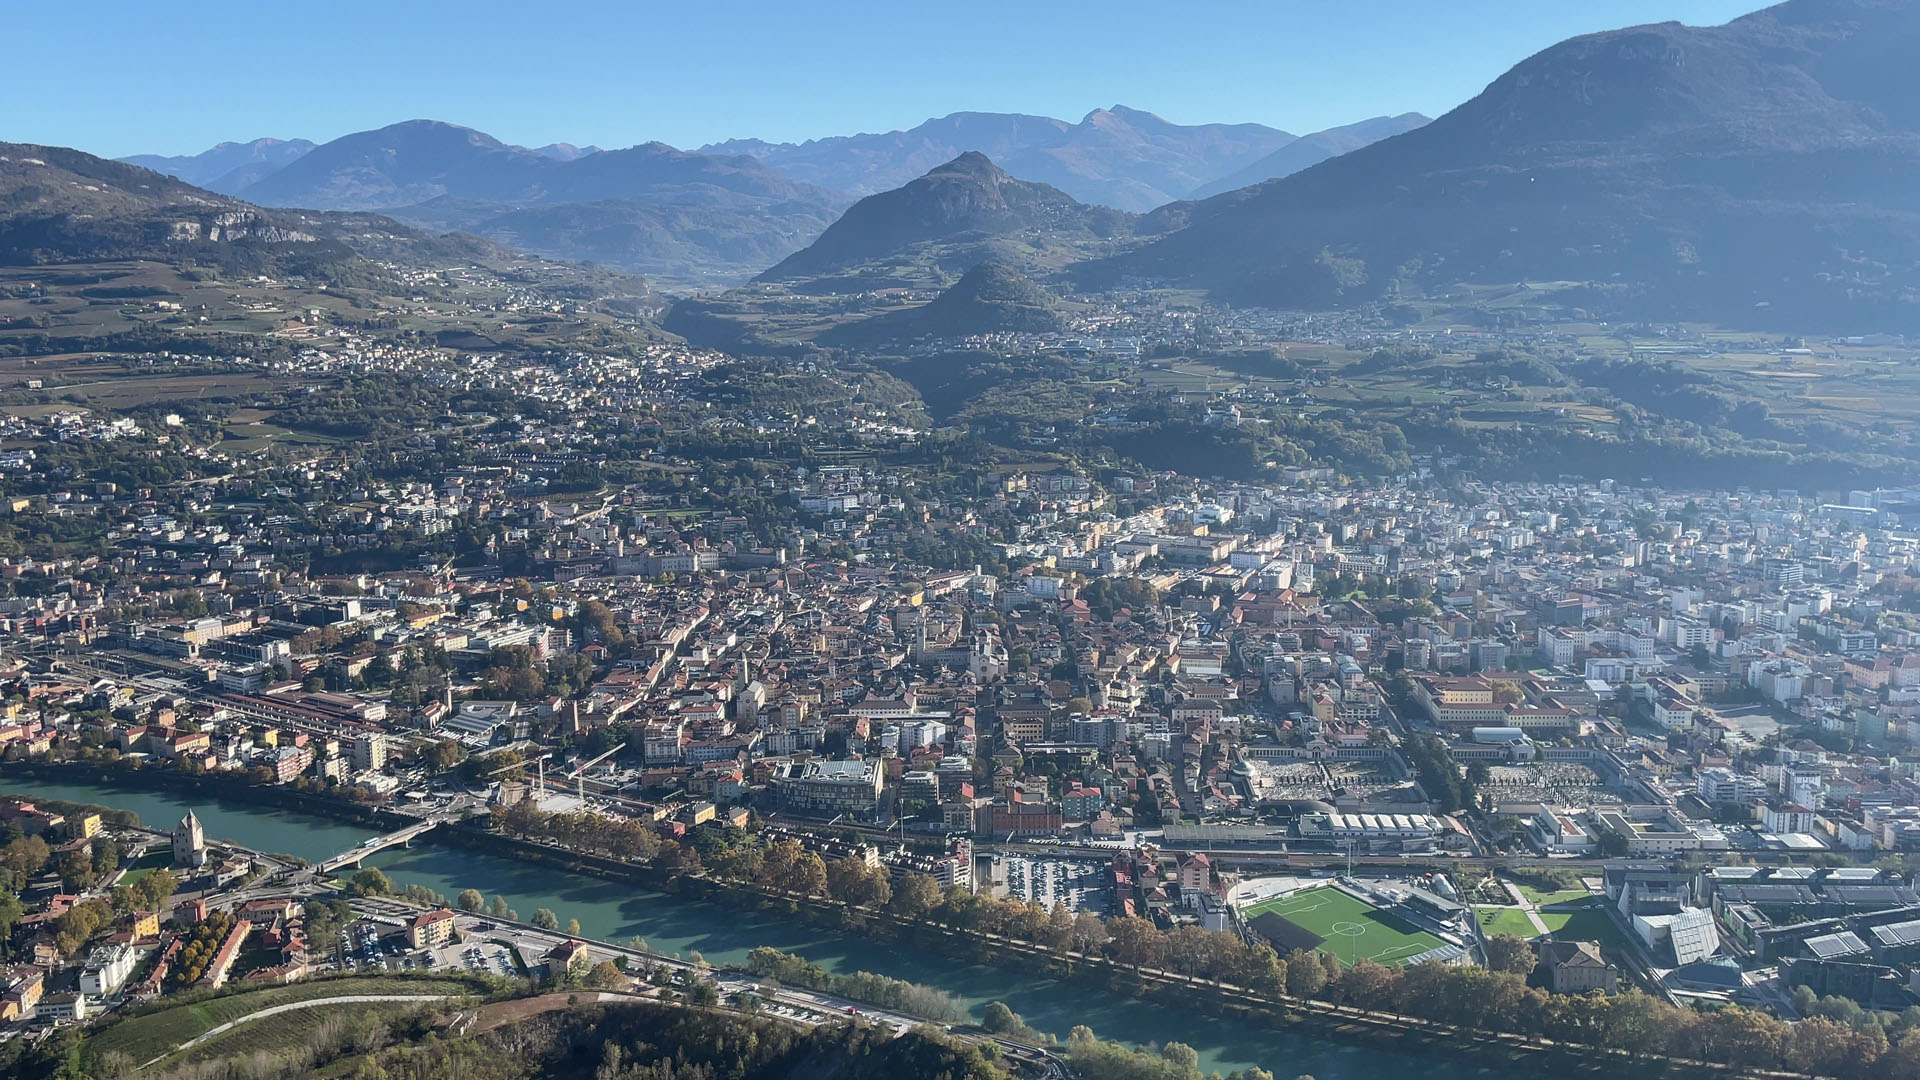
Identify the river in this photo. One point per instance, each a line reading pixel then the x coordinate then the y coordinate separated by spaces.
pixel 616 911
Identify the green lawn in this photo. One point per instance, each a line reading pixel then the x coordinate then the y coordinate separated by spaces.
pixel 1584 924
pixel 146 1037
pixel 1507 921
pixel 1353 929
pixel 147 864
pixel 1542 897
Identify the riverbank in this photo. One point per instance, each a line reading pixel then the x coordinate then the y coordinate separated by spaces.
pixel 779 918
pixel 617 909
pixel 1229 1003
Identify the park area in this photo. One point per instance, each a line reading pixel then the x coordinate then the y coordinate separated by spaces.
pixel 1339 924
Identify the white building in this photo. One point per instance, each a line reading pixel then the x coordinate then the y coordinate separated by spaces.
pixel 107 969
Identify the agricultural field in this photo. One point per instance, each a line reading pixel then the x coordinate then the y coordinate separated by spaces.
pixel 1328 920
pixel 286 1031
pixel 145 1037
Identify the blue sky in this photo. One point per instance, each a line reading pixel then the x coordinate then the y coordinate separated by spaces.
pixel 116 77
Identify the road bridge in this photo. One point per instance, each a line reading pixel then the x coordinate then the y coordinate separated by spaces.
pixel 353 856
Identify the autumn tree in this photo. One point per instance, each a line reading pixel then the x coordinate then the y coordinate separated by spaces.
pixel 916 895
pixel 1510 953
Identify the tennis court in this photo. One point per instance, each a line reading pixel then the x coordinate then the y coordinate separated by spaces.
pixel 1338 923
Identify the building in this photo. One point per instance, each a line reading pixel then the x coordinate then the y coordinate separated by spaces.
pixel 1195 876
pixel 1082 803
pixel 62 1007
pixel 1720 785
pixel 1574 967
pixel 1554 829
pixel 190 842
pixel 1780 816
pixel 568 958
pixel 431 929
pixel 1657 830
pixel 1690 932
pixel 370 752
pixel 827 788
pixel 107 969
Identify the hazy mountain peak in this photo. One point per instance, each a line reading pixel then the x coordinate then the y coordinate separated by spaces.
pixel 1310 150
pixel 1124 115
pixel 1686 172
pixel 955 212
pixel 1119 156
pixel 227 166
pixel 561 151
pixel 973 163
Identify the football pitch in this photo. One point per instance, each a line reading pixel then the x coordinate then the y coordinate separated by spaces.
pixel 1331 921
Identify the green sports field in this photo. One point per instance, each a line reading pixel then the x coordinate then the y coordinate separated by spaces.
pixel 1331 921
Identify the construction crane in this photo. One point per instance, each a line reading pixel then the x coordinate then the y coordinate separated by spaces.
pixel 540 769
pixel 579 773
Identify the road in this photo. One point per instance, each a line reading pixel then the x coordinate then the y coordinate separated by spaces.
pixel 805 1006
pixel 348 999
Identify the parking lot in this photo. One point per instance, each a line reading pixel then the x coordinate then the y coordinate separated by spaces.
pixel 1081 886
pixel 366 945
pixel 480 957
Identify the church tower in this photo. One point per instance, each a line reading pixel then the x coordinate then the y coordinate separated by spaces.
pixel 189 842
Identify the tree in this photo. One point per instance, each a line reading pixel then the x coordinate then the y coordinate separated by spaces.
pixel 546 920
pixel 809 876
pixel 1805 1000
pixel 1089 932
pixel 76 870
pixel 917 895
pixel 1305 976
pixel 850 881
pixel 1001 1020
pixel 151 893
pixel 777 863
pixel 1135 942
pixel 1507 952
pixel 106 856
pixel 370 882
pixel 472 900
pixel 11 911
pixel 605 976
pixel 445 754
pixel 498 909
pixel 573 927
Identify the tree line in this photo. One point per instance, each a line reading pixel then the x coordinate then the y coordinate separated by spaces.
pixel 1458 995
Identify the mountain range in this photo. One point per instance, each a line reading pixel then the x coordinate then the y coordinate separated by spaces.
pixel 727 211
pixel 691 218
pixel 229 166
pixel 1761 170
pixel 1118 157
pixel 62 207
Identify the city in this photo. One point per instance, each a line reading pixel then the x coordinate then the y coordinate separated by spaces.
pixel 888 591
